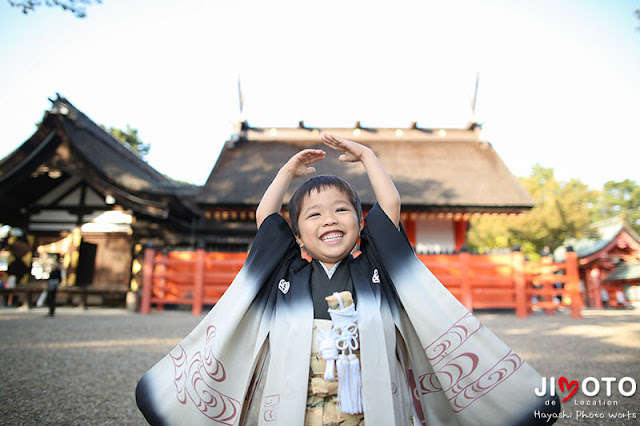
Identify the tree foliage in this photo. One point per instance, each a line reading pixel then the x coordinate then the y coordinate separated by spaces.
pixel 561 211
pixel 619 199
pixel 130 138
pixel 77 7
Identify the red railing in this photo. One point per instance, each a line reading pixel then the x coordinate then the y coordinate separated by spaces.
pixel 478 281
pixel 187 278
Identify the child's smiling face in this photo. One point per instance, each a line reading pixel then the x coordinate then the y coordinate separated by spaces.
pixel 328 224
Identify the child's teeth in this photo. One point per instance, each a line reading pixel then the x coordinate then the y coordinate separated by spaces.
pixel 332 237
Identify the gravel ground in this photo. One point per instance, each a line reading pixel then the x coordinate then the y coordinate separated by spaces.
pixel 81 367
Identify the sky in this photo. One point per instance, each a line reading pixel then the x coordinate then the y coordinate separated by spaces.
pixel 559 80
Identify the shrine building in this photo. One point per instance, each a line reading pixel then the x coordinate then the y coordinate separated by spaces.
pixel 79 196
pixel 444 177
pixel 608 261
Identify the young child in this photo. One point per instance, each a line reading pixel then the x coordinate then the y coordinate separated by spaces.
pixel 423 358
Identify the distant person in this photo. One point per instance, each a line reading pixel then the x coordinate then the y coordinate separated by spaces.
pixel 604 295
pixel 620 299
pixel 11 283
pixel 55 278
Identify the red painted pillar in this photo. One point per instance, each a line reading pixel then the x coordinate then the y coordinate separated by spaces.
pixel 147 280
pixel 465 287
pixel 547 286
pixel 460 232
pixel 573 282
pixel 409 224
pixel 198 282
pixel 593 288
pixel 520 283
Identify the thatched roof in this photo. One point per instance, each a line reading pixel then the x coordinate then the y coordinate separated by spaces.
pixel 69 152
pixel 433 169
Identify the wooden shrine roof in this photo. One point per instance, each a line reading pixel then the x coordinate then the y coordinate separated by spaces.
pixel 434 169
pixel 625 272
pixel 606 235
pixel 67 150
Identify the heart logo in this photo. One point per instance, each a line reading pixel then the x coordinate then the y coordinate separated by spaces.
pixel 571 386
pixel 283 286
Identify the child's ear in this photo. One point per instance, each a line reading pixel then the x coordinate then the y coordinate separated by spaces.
pixel 361 223
pixel 299 241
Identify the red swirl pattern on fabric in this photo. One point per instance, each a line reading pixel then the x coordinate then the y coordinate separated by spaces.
pixel 271 403
pixel 459 377
pixel 449 375
pixel 453 338
pixel 179 358
pixel 489 380
pixel 194 381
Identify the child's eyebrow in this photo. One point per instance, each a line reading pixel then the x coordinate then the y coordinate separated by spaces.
pixel 306 210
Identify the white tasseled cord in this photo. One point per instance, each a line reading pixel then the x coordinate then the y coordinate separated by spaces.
pixel 328 349
pixel 348 366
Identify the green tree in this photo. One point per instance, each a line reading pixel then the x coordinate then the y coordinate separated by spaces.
pixel 130 138
pixel 561 211
pixel 77 7
pixel 619 199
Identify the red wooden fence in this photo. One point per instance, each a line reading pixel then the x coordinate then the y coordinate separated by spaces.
pixel 478 281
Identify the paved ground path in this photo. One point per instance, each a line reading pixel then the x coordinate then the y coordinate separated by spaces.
pixel 82 367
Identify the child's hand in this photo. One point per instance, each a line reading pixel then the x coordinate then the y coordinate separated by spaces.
pixel 353 151
pixel 299 164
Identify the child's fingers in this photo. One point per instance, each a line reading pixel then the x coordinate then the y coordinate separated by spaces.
pixel 329 139
pixel 311 155
pixel 334 145
pixel 311 152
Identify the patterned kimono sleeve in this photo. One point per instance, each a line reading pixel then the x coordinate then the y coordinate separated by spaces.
pixel 205 378
pixel 273 244
pixel 461 372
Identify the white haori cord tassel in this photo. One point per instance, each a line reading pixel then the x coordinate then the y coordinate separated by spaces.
pixel 329 352
pixel 349 379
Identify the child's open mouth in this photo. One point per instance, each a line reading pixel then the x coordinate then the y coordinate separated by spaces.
pixel 332 237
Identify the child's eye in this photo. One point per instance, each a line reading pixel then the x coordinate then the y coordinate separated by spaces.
pixel 314 215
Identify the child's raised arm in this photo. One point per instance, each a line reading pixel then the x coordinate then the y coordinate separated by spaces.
pixel 386 192
pixel 297 166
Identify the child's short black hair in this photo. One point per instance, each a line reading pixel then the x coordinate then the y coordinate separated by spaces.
pixel 318 183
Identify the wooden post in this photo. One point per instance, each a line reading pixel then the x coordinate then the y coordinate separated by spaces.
pixel 593 287
pixel 520 283
pixel 160 275
pixel 147 279
pixel 547 287
pixel 198 281
pixel 83 298
pixel 573 283
pixel 460 233
pixel 465 285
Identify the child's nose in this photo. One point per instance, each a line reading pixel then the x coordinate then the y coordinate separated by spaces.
pixel 330 220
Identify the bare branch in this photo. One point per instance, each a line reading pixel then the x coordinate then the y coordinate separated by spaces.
pixel 77 7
